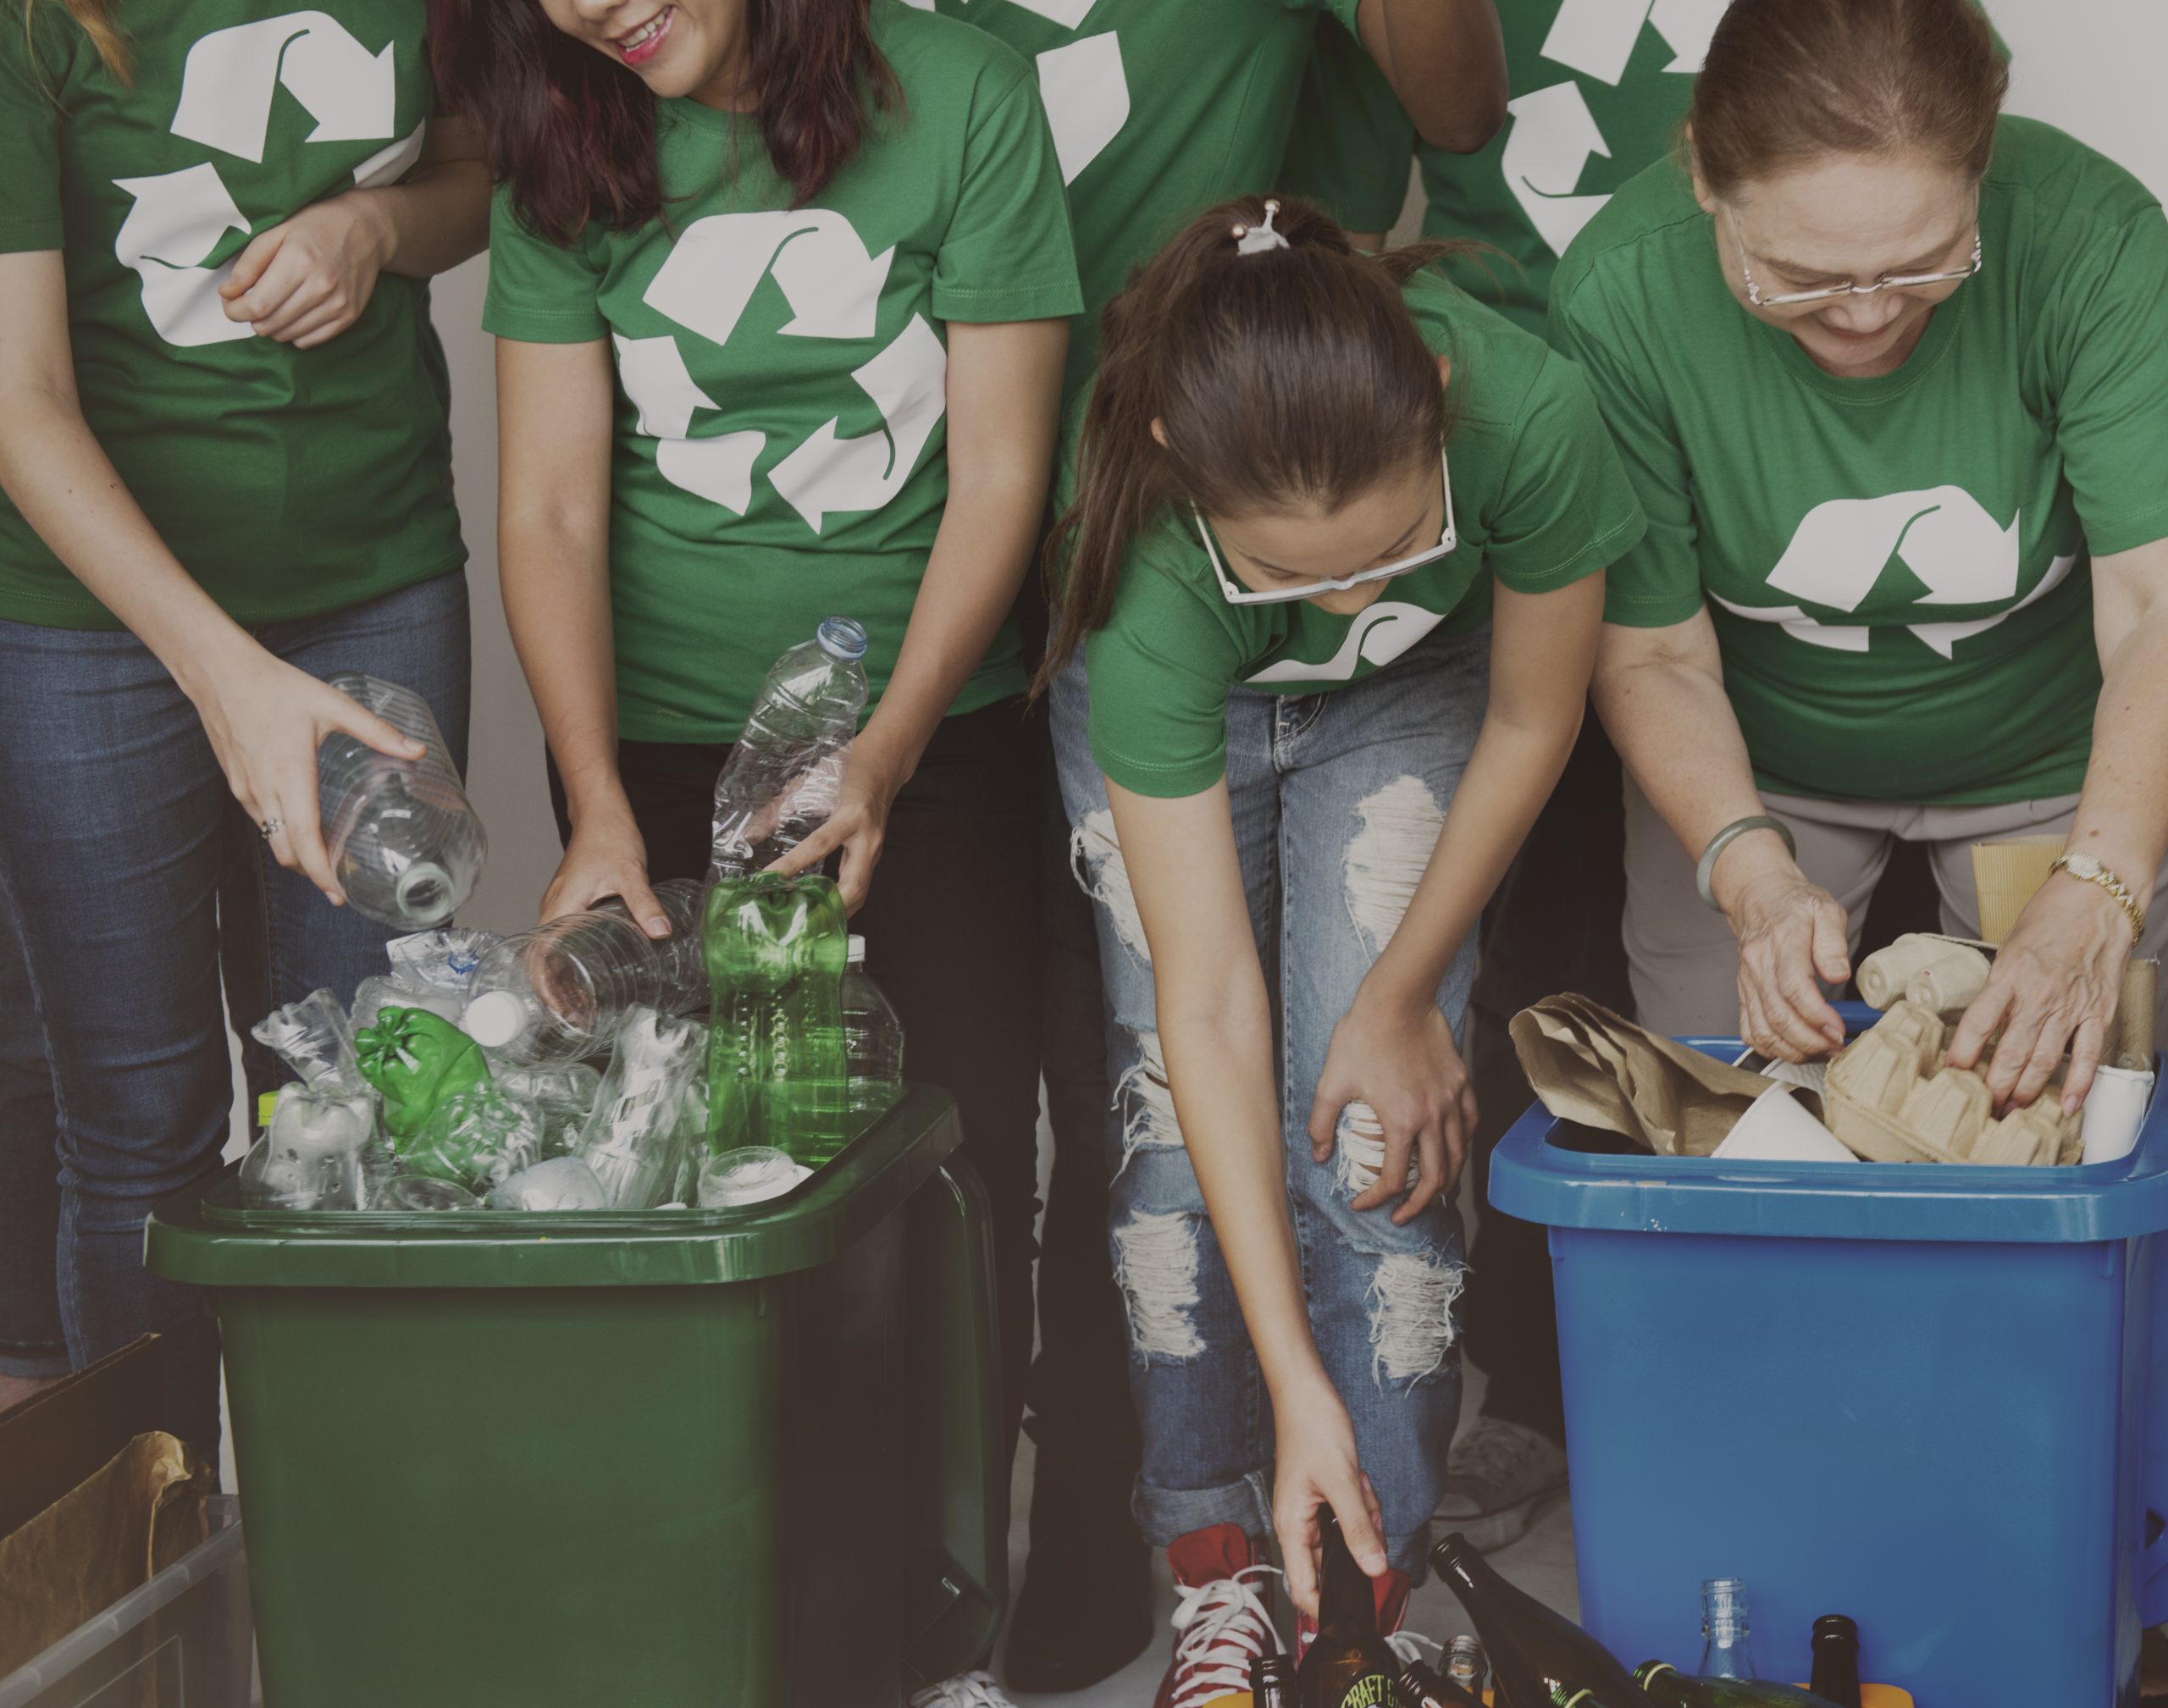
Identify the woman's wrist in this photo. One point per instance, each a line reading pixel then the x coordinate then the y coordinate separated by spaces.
pixel 1746 861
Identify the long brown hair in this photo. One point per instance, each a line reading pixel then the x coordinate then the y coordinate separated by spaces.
pixel 1788 81
pixel 1292 376
pixel 573 135
pixel 99 23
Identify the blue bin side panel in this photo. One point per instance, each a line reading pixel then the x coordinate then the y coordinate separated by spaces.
pixel 1935 1439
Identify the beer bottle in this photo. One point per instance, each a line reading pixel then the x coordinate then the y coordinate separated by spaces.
pixel 1537 1656
pixel 1348 1664
pixel 1468 1666
pixel 1421 1688
pixel 1668 1687
pixel 1836 1644
pixel 1272 1681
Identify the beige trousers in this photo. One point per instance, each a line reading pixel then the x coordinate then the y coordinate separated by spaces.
pixel 1683 958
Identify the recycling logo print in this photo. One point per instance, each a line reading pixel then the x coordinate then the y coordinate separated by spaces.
pixel 1081 85
pixel 1942 535
pixel 227 87
pixel 833 285
pixel 1553 132
pixel 1380 634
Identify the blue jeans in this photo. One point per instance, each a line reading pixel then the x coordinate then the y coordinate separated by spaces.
pixel 1337 801
pixel 147 905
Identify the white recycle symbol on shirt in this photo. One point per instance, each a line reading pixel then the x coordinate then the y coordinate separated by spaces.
pixel 226 90
pixel 1081 85
pixel 1941 534
pixel 1379 634
pixel 833 285
pixel 1554 133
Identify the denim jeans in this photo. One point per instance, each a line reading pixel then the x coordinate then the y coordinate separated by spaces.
pixel 1337 801
pixel 135 881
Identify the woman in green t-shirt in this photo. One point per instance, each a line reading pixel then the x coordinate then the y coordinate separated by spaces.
pixel 1907 546
pixel 1333 551
pixel 227 473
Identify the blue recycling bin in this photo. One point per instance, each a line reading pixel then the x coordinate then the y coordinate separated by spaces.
pixel 1933 1396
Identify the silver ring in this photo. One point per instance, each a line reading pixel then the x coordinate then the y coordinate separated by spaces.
pixel 271 827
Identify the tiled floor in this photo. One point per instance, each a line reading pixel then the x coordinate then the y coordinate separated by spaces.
pixel 1541 1562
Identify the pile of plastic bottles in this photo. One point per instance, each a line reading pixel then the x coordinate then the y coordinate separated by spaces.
pixel 562 1068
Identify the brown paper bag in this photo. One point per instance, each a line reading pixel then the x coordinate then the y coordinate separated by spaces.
pixel 1590 1065
pixel 113 1533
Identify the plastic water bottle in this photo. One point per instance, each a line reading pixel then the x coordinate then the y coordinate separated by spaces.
pixel 560 992
pixel 403 839
pixel 787 764
pixel 873 1037
pixel 777 1071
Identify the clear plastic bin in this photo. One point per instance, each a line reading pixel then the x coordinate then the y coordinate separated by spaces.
pixel 183 1640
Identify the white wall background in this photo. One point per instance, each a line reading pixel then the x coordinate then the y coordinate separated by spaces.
pixel 2091 66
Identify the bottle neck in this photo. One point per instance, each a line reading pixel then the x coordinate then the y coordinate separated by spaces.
pixel 1724 1621
pixel 1347 1606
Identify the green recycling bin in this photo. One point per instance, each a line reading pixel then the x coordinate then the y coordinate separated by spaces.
pixel 680 1459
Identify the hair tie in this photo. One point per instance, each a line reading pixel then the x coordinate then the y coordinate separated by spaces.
pixel 1255 239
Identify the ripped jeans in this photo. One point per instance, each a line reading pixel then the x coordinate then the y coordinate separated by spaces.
pixel 1337 801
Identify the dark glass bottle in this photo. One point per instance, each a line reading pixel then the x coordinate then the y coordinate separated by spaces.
pixel 1421 1688
pixel 1537 1656
pixel 1468 1666
pixel 1272 1681
pixel 1837 1660
pixel 1669 1688
pixel 1348 1664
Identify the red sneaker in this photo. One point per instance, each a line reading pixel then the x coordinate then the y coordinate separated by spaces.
pixel 1223 1620
pixel 1391 1591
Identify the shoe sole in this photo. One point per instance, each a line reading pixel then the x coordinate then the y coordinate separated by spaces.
pixel 1491 1531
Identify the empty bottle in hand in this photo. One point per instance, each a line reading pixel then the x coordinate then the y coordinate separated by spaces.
pixel 782 778
pixel 873 1037
pixel 559 992
pixel 403 839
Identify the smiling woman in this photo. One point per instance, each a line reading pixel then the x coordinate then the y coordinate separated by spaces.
pixel 1893 375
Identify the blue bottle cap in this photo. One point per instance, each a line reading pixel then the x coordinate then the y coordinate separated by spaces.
pixel 841 637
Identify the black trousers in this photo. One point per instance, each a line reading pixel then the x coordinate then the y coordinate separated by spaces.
pixel 952 935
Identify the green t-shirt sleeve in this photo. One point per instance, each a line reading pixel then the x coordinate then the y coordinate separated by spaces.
pixel 1353 144
pixel 1008 254
pixel 1565 508
pixel 541 292
pixel 30 133
pixel 1658 581
pixel 1158 674
pixel 2110 351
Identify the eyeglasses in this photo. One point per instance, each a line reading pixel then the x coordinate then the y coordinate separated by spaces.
pixel 1235 593
pixel 1786 299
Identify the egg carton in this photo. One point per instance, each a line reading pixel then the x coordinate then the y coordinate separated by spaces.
pixel 1890 1097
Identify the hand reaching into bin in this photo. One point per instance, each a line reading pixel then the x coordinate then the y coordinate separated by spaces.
pixel 1314 1464
pixel 1792 933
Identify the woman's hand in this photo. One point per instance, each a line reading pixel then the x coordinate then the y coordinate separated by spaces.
pixel 1398 1056
pixel 606 857
pixel 1791 932
pixel 1314 1463
pixel 2054 986
pixel 307 279
pixel 266 719
pixel 859 826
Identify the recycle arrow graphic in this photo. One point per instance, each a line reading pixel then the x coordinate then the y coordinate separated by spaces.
pixel 719 469
pixel 228 81
pixel 1596 37
pixel 833 285
pixel 907 381
pixel 177 220
pixel 1553 135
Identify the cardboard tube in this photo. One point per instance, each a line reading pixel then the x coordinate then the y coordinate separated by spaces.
pixel 2007 875
pixel 2131 1045
pixel 2115 1111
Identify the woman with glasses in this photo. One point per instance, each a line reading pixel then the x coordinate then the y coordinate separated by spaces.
pixel 1331 558
pixel 1890 371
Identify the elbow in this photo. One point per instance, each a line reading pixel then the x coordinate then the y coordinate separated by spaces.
pixel 1467 124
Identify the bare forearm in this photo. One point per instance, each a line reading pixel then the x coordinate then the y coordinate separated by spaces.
pixel 1673 726
pixel 437 218
pixel 59 477
pixel 1446 60
pixel 557 597
pixel 2122 816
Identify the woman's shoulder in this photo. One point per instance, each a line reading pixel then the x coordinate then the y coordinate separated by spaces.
pixel 1502 373
pixel 1644 228
pixel 42 51
pixel 2067 185
pixel 932 52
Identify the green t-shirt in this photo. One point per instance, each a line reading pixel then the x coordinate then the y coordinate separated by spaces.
pixel 1896 567
pixel 288 482
pixel 1351 138
pixel 1539 500
pixel 780 435
pixel 1160 108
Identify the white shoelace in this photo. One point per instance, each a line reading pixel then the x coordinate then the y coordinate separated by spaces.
pixel 1225 1626
pixel 964 1690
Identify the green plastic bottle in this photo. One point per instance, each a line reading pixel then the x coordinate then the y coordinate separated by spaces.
pixel 778 1073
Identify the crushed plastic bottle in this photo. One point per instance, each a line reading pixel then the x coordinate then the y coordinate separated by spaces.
pixel 319 1152
pixel 785 768
pixel 429 969
pixel 559 992
pixel 750 1175
pixel 313 1038
pixel 873 1037
pixel 558 1183
pixel 404 840
pixel 476 1138
pixel 563 1092
pixel 777 1073
pixel 645 1121
pixel 426 1193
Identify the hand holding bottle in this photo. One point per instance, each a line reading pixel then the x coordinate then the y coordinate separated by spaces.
pixel 605 857
pixel 858 823
pixel 1398 1056
pixel 1316 1466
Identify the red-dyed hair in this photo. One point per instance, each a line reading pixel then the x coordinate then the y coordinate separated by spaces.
pixel 573 135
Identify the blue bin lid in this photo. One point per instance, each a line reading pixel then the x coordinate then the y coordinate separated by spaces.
pixel 1539 1182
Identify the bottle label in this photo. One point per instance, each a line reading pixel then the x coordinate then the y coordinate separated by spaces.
pixel 1371 1690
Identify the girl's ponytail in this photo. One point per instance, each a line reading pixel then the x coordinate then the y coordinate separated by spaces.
pixel 1286 376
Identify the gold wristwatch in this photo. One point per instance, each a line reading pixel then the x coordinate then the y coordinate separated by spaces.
pixel 2084 866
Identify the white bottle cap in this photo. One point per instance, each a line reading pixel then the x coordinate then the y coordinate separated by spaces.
pixel 495 1018
pixel 855 954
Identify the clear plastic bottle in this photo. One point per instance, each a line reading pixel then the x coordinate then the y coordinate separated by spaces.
pixel 873 1037
pixel 403 837
pixel 783 770
pixel 645 1120
pixel 560 992
pixel 778 1072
